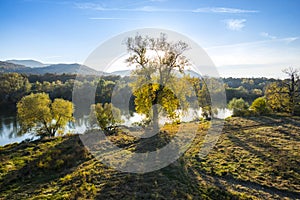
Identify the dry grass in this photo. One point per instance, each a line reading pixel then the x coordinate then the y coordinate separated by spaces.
pixel 255 158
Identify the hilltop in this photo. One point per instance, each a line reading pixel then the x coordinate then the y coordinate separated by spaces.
pixel 37 68
pixel 255 158
pixel 27 63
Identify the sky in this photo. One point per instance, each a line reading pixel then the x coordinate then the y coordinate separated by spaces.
pixel 244 38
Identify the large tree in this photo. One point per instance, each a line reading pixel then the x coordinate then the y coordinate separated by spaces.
pixel 277 97
pixel 36 112
pixel 284 95
pixel 157 62
pixel 293 86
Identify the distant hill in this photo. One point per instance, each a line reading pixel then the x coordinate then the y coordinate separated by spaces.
pixel 11 67
pixel 27 63
pixel 6 67
pixel 63 69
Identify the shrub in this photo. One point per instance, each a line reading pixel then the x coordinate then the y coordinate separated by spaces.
pixel 260 106
pixel 238 106
pixel 106 116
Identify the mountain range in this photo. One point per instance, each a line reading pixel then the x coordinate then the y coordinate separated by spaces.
pixel 39 68
pixel 28 63
pixel 35 67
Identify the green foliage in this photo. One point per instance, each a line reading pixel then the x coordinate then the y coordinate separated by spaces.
pixel 277 97
pixel 259 106
pixel 238 106
pixel 154 87
pixel 284 95
pixel 36 112
pixel 106 116
pixel 13 87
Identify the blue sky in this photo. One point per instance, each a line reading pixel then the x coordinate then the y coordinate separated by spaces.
pixel 244 38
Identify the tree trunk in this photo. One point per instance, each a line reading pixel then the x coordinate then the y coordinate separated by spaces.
pixel 292 94
pixel 155 117
pixel 155 104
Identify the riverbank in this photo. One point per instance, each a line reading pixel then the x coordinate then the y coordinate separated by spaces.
pixel 255 158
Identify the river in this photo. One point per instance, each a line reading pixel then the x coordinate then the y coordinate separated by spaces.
pixel 9 126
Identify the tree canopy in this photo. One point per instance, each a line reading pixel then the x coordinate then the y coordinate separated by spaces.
pixel 38 113
pixel 105 115
pixel 13 87
pixel 239 106
pixel 259 106
pixel 284 96
pixel 155 87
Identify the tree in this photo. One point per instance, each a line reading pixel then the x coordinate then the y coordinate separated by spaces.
pixel 157 61
pixel 259 106
pixel 36 112
pixel 13 87
pixel 293 86
pixel 106 116
pixel 283 96
pixel 277 97
pixel 203 95
pixel 238 106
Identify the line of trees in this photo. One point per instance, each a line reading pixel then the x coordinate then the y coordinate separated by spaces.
pixel 280 96
pixel 39 114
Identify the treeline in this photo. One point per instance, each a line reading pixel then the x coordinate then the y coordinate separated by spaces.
pixel 14 86
pixel 277 96
pixel 248 89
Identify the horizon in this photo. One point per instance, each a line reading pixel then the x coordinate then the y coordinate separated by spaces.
pixel 123 69
pixel 248 39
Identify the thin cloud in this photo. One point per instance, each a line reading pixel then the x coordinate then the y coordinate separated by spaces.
pixel 235 24
pixel 99 7
pixel 262 57
pixel 223 10
pixel 290 39
pixel 254 43
pixel 267 35
pixel 90 6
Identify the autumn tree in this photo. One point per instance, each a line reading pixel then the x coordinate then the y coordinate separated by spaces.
pixel 259 106
pixel 36 112
pixel 293 86
pixel 157 61
pixel 283 96
pixel 277 97
pixel 105 115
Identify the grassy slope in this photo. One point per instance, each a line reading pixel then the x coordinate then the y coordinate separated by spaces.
pixel 255 158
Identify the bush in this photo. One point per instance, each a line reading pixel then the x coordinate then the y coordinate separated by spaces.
pixel 260 106
pixel 106 116
pixel 239 107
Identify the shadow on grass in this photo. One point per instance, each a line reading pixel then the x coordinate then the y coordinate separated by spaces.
pixel 272 154
pixel 53 163
pixel 171 182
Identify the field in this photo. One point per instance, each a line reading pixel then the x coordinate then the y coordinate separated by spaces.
pixel 255 158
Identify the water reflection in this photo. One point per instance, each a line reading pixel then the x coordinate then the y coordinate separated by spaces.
pixel 9 127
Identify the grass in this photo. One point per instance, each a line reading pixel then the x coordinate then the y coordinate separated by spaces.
pixel 255 158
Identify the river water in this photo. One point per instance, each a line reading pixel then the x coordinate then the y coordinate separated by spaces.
pixel 9 126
